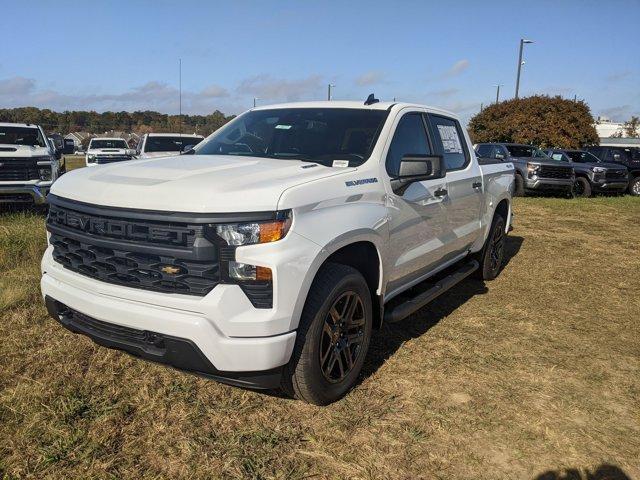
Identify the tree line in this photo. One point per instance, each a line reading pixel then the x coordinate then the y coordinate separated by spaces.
pixel 96 123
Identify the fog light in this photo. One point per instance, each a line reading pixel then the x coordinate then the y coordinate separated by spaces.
pixel 45 173
pixel 244 271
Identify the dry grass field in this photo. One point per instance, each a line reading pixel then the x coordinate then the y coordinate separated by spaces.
pixel 535 375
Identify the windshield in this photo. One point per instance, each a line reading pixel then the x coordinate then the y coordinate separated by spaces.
pixel 526 151
pixel 169 144
pixel 582 157
pixel 108 144
pixel 319 135
pixel 22 136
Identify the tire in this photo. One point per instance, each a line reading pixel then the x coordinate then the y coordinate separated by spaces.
pixel 492 254
pixel 581 188
pixel 634 186
pixel 319 371
pixel 518 190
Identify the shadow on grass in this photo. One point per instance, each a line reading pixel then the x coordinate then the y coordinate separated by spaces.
pixel 391 337
pixel 603 472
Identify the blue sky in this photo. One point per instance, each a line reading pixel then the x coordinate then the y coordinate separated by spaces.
pixel 114 55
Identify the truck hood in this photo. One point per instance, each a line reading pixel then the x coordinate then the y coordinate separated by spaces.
pixel 26 151
pixel 541 161
pixel 191 183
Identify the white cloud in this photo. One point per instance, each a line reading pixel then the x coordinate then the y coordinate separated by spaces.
pixel 214 91
pixel 446 92
pixel 457 68
pixel 617 76
pixel 369 78
pixel 269 89
pixel 16 86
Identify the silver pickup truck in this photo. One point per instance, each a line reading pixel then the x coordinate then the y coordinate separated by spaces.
pixel 534 170
pixel 266 256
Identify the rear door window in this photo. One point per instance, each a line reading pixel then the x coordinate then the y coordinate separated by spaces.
pixel 449 142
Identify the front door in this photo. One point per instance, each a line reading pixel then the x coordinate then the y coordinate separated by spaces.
pixel 417 216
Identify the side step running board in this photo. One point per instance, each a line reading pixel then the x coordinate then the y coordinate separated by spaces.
pixel 403 310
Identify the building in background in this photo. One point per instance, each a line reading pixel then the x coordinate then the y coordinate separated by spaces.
pixel 613 134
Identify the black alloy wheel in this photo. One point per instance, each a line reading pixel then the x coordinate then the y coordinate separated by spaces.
pixel 342 337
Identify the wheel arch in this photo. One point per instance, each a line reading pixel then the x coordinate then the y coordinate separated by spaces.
pixel 361 250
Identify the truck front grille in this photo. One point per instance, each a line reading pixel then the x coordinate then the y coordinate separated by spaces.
pixel 102 159
pixel 113 246
pixel 616 174
pixel 17 170
pixel 160 273
pixel 548 171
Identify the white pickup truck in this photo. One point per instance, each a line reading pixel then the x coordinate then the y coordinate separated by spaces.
pixel 103 150
pixel 28 164
pixel 267 256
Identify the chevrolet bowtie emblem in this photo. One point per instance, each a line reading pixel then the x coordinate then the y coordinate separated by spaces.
pixel 170 270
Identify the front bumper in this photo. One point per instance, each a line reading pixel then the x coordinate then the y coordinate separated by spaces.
pixel 538 183
pixel 231 333
pixel 610 185
pixel 180 353
pixel 26 193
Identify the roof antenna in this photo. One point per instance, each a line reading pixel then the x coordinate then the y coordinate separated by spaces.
pixel 371 99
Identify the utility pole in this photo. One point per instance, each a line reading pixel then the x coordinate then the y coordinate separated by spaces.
pixel 498 92
pixel 520 62
pixel 329 87
pixel 180 95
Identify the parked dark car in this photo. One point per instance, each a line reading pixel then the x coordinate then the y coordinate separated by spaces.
pixel 627 156
pixel 535 171
pixel 592 175
pixel 69 146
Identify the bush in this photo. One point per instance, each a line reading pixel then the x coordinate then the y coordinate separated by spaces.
pixel 548 122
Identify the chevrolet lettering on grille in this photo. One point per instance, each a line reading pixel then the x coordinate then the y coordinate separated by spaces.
pixel 110 227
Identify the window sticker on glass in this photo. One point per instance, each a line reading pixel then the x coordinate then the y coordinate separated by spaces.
pixel 283 127
pixel 450 139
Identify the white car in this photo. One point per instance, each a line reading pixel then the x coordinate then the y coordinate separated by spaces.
pixel 103 150
pixel 268 256
pixel 28 164
pixel 164 144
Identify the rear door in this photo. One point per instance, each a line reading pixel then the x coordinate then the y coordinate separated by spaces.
pixel 463 201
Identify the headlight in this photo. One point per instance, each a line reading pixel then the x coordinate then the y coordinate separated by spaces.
pixel 598 169
pixel 238 234
pixel 533 168
pixel 91 158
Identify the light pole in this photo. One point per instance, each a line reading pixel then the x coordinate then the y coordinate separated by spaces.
pixel 520 62
pixel 498 92
pixel 329 87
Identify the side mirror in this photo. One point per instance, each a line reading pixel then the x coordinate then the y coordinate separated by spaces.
pixel 186 148
pixel 416 168
pixel 499 156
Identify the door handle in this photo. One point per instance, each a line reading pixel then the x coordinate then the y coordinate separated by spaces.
pixel 476 184
pixel 441 192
